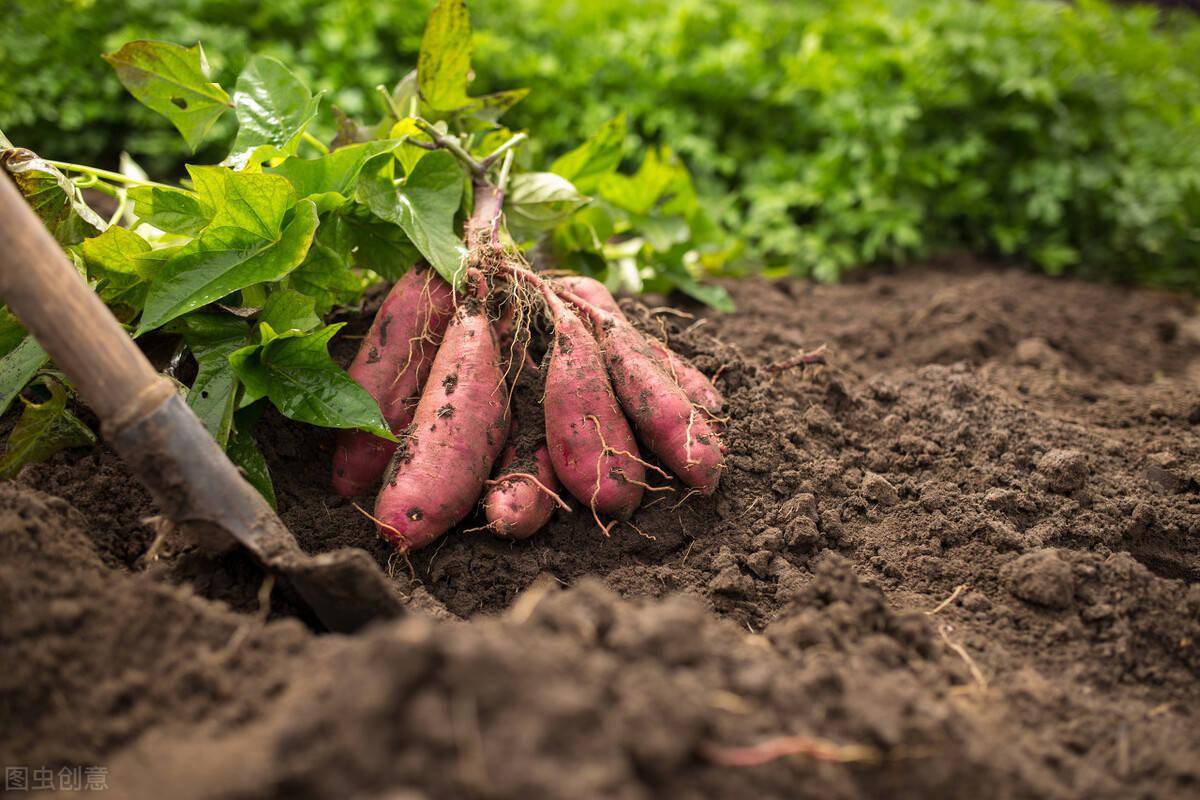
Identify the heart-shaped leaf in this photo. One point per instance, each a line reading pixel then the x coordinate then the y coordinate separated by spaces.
pixel 538 200
pixel 330 179
pixel 223 260
pixel 171 80
pixel 295 372
pixel 273 108
pixel 423 206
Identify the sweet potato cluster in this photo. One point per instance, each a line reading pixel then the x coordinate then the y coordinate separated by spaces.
pixel 441 364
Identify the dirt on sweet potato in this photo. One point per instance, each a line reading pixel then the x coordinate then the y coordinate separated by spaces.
pixel 960 559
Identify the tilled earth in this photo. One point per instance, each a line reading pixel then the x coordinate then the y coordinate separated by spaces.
pixel 958 560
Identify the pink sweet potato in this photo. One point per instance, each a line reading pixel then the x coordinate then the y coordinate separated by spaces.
pixel 438 472
pixel 391 364
pixel 695 384
pixel 591 290
pixel 589 439
pixel 515 506
pixel 684 438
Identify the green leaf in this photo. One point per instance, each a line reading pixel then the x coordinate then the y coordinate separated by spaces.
pixel 706 293
pixel 600 155
pixel 224 260
pixel 289 310
pixel 170 210
pixel 325 275
pixel 380 246
pixel 12 332
pixel 244 453
pixel 43 430
pixel 329 180
pixel 171 80
pixel 212 338
pixel 295 371
pixel 407 131
pixel 53 197
pixel 273 108
pixel 444 71
pixel 18 368
pixel 423 206
pixel 539 200
pixel 586 231
pixel 490 107
pixel 123 263
pixel 444 61
pixel 252 201
pixel 639 193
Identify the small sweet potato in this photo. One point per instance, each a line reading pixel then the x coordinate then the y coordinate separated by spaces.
pixel 515 506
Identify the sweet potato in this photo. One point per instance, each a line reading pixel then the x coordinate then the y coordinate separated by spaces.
pixel 519 499
pixel 438 472
pixel 684 438
pixel 515 506
pixel 592 448
pixel 391 364
pixel 695 384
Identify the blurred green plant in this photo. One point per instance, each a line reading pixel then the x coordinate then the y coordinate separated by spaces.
pixel 827 133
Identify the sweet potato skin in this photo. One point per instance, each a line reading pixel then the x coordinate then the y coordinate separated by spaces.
pixel 582 417
pixel 591 290
pixel 695 384
pixel 514 506
pixel 391 364
pixel 458 431
pixel 683 438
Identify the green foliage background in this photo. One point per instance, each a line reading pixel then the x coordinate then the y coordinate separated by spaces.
pixel 827 133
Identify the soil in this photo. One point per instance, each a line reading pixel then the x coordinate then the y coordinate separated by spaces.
pixel 960 559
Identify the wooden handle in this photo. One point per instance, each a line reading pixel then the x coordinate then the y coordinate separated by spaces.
pixel 68 320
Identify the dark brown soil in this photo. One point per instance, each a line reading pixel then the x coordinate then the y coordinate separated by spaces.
pixel 959 560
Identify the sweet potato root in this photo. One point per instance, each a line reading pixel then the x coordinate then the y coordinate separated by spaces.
pixel 695 384
pixel 683 438
pixel 518 503
pixel 392 362
pixel 592 448
pixel 438 472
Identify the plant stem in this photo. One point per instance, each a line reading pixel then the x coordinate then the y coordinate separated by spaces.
pixel 484 223
pixel 502 178
pixel 320 146
pixel 451 144
pixel 387 100
pixel 122 202
pixel 92 182
pixel 104 174
pixel 502 149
